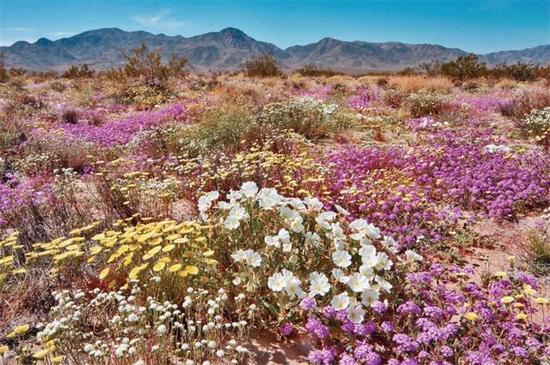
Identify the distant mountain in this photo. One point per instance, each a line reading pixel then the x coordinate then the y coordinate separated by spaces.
pixel 230 47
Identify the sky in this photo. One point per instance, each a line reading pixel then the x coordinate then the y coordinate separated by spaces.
pixel 479 26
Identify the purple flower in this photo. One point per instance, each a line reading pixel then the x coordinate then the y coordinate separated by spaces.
pixel 321 357
pixel 307 303
pixel 286 329
pixel 316 328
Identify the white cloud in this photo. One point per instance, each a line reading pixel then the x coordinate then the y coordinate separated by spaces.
pixel 159 20
pixel 18 29
pixel 62 34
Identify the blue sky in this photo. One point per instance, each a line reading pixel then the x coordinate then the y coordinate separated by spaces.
pixel 473 25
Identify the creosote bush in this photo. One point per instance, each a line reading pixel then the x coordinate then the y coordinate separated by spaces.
pixel 263 65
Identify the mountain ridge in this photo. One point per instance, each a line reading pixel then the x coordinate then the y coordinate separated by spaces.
pixel 229 48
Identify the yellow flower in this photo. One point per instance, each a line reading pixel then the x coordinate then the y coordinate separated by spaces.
pixel 192 269
pixel 3 349
pixel 541 300
pixel 528 290
pixel 521 316
pixel 500 274
pixel 471 316
pixel 41 354
pixel 103 274
pixel 57 359
pixel 507 299
pixel 152 252
pixel 19 330
pixel 159 266
pixel 208 253
pixel 174 268
pixel 168 248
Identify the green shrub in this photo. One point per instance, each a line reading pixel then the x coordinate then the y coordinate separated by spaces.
pixel 538 251
pixel 313 70
pixel 79 72
pixel 145 68
pixel 221 128
pixel 4 75
pixel 394 98
pixel 424 104
pixel 464 68
pixel 264 65
pixel 310 118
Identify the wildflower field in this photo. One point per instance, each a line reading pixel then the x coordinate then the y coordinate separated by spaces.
pixel 228 219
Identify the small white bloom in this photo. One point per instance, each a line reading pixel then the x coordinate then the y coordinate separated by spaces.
pixel 413 256
pixel 340 301
pixel 341 259
pixel 276 282
pixel 369 296
pixel 249 189
pixel 319 284
pixel 358 282
pixel 356 314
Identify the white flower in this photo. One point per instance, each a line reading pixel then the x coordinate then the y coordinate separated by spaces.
pixel 287 247
pixel 341 258
pixel 367 271
pixel 253 258
pixel 276 282
pixel 411 255
pixel 358 225
pixel 324 219
pixel 205 201
pixel 161 329
pixel 383 283
pixel 249 256
pixel 132 317
pixel 296 225
pixel 234 195
pixel 319 284
pixel 383 261
pixel 231 222
pixel 372 231
pixel 312 238
pixel 340 276
pixel 313 204
pixel 368 253
pixel 369 296
pixel 139 362
pixel 390 244
pixel 287 214
pixel 340 301
pixel 293 287
pixel 341 210
pixel 269 198
pixel 272 241
pixel 297 204
pixel 249 189
pixel 358 282
pixel 283 235
pixel 356 314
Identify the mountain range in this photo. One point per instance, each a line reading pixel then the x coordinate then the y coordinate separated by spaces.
pixel 229 48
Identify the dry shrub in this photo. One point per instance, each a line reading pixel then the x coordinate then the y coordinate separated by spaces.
pixel 506 84
pixel 416 83
pixel 526 101
pixel 343 82
pixel 25 300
